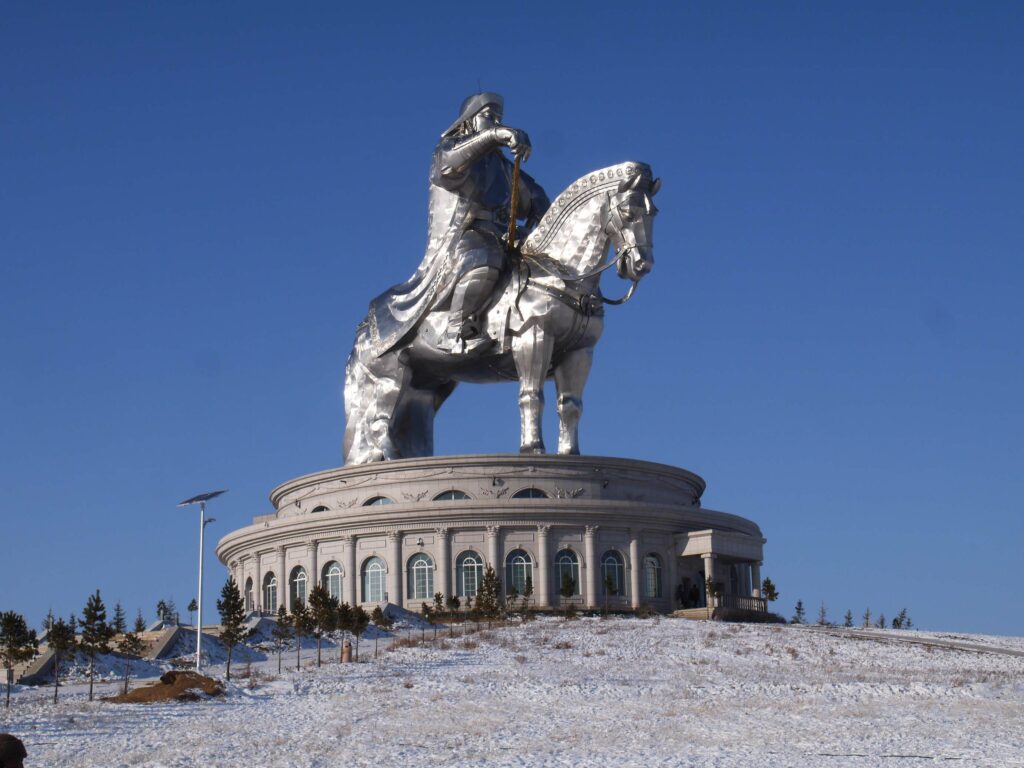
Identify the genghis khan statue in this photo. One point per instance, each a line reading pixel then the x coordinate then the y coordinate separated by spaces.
pixel 470 198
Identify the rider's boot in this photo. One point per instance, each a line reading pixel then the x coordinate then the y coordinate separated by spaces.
pixel 465 333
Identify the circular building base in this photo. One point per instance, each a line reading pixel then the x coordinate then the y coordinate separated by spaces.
pixel 620 532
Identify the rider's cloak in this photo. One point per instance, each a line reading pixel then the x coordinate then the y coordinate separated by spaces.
pixel 452 209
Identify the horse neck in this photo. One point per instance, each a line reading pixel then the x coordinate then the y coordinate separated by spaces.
pixel 581 243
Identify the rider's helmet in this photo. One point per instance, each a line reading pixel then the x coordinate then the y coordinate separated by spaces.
pixel 473 104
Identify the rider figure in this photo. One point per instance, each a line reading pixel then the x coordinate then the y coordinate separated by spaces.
pixel 469 163
pixel 466 254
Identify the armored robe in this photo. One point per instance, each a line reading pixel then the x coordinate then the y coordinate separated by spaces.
pixel 468 215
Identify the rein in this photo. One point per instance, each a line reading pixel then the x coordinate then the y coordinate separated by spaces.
pixel 556 273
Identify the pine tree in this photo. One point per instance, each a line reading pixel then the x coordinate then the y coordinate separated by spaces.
pixel 323 615
pixel 799 615
pixel 902 621
pixel 867 618
pixel 822 616
pixel 381 621
pixel 301 626
pixel 848 619
pixel 768 591
pixel 18 643
pixel 232 619
pixel 567 590
pixel 62 641
pixel 487 596
pixel 609 591
pixel 193 606
pixel 140 623
pixel 96 633
pixel 281 633
pixel 527 594
pixel 342 624
pixel 360 621
pixel 881 621
pixel 438 607
pixel 172 613
pixel 119 624
pixel 130 644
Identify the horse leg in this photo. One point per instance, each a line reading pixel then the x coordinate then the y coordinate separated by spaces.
pixel 412 425
pixel 570 378
pixel 372 394
pixel 531 353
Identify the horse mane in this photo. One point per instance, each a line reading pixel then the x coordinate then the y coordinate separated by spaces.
pixel 551 237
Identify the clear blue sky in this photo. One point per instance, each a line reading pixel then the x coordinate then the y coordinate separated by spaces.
pixel 198 200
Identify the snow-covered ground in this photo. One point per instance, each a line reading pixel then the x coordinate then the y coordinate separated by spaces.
pixel 583 693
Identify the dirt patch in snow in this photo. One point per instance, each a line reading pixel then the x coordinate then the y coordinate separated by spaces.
pixel 173 686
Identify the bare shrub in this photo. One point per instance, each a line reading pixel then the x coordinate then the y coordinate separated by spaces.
pixel 470 645
pixel 407 684
pixel 793 653
pixel 563 645
pixel 519 658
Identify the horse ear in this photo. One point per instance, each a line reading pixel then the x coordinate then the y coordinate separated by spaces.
pixel 624 185
pixel 655 186
pixel 636 182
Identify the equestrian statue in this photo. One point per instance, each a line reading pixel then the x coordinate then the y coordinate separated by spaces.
pixel 491 300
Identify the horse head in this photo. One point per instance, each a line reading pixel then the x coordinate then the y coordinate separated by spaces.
pixel 630 225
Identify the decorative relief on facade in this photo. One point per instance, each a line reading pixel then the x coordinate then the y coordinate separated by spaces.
pixel 415 496
pixel 567 493
pixel 493 493
pixel 348 503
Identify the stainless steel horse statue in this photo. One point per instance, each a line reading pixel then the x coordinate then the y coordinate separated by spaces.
pixel 545 319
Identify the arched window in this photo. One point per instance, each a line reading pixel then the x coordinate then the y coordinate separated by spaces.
pixel 248 594
pixel 613 573
pixel 373 580
pixel 377 501
pixel 652 576
pixel 321 508
pixel 421 577
pixel 297 586
pixel 518 568
pixel 469 572
pixel 530 493
pixel 331 579
pixel 270 593
pixel 567 569
pixel 451 496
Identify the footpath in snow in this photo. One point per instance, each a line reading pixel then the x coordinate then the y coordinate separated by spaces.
pixel 619 691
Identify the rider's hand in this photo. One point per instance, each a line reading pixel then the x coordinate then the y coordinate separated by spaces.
pixel 516 140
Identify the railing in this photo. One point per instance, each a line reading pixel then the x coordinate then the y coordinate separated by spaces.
pixel 758 604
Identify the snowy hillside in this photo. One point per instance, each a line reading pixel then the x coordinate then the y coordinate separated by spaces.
pixel 587 692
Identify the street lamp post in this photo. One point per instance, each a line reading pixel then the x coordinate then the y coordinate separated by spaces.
pixel 201 500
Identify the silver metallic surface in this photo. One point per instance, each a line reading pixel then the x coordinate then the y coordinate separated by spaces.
pixel 473 312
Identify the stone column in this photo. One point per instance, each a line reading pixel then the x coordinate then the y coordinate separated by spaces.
pixel 258 586
pixel 493 549
pixel 314 565
pixel 673 578
pixel 591 565
pixel 755 576
pixel 282 581
pixel 350 581
pixel 444 563
pixel 634 568
pixel 709 573
pixel 395 569
pixel 541 582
